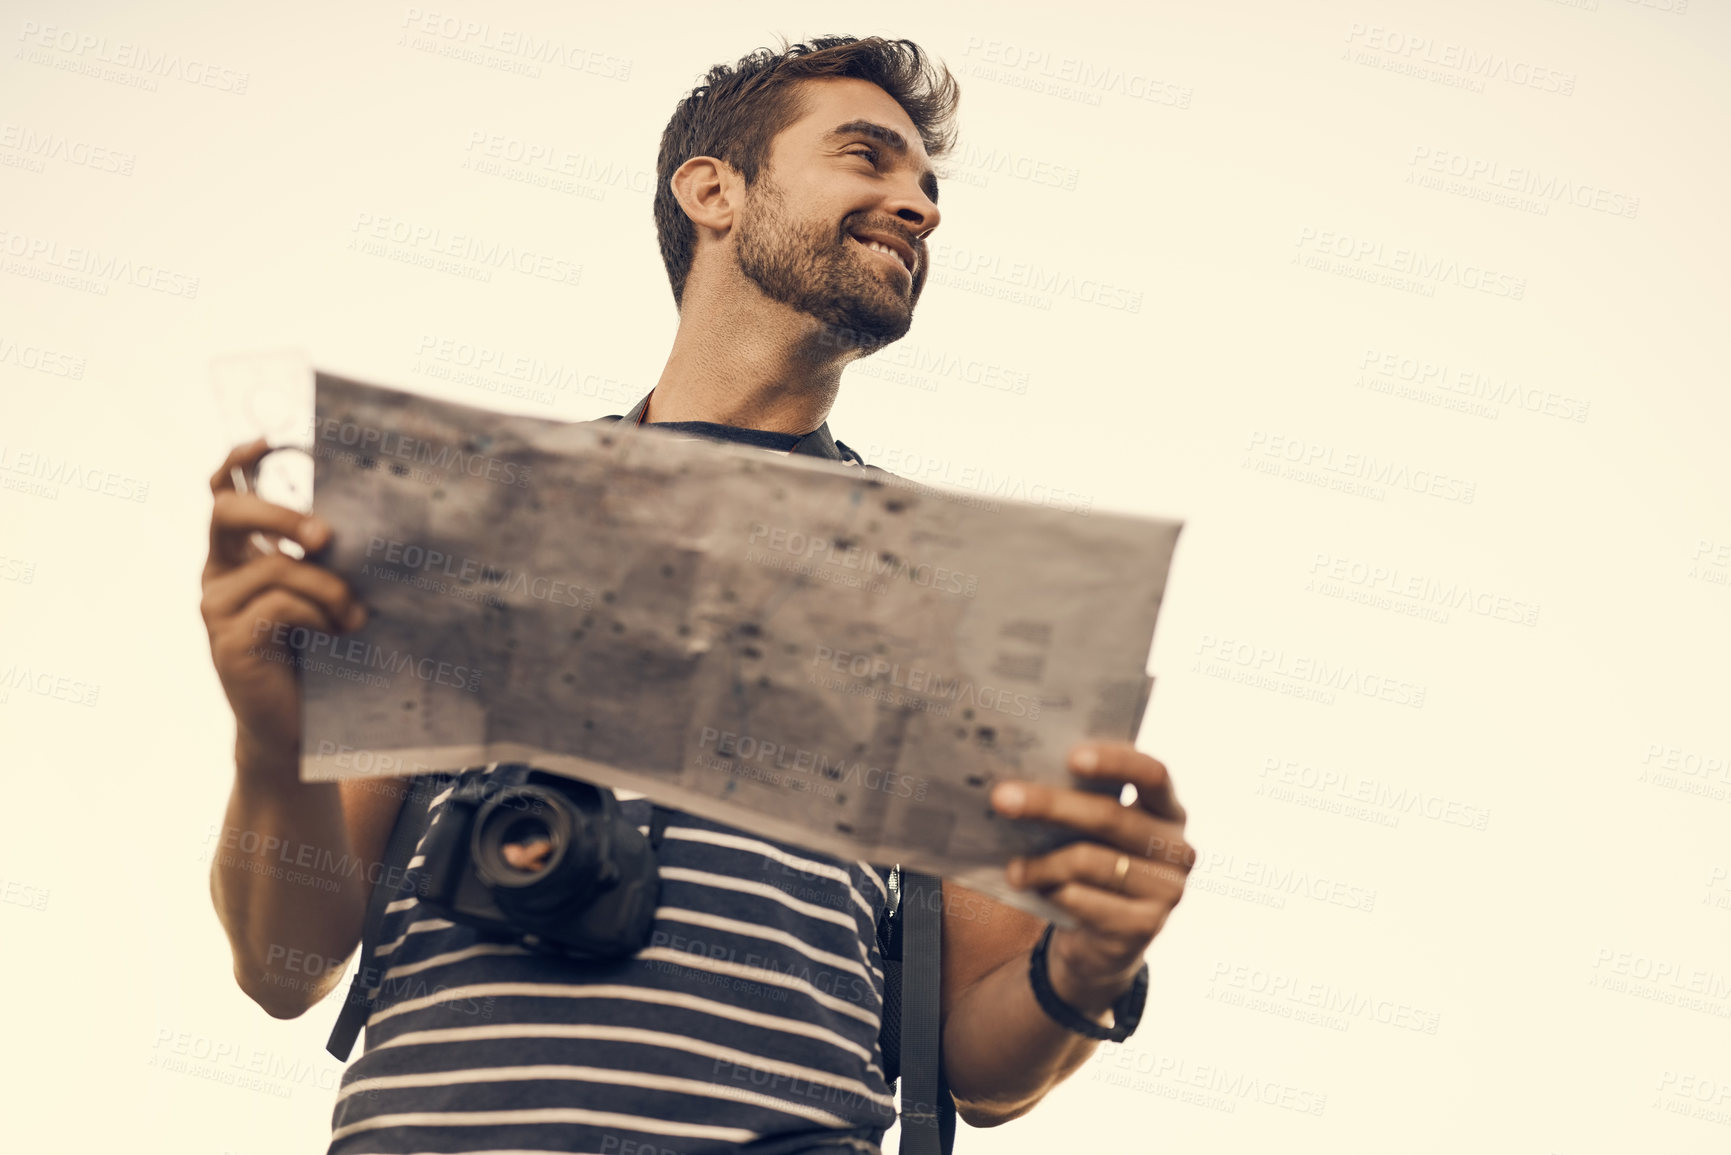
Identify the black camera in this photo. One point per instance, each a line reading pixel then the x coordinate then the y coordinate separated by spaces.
pixel 584 881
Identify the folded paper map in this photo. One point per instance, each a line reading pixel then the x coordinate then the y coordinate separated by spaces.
pixel 821 653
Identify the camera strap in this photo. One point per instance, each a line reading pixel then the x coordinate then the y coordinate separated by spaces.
pixel 404 836
pixel 928 1112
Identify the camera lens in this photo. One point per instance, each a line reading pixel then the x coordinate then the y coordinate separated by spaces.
pixel 526 845
pixel 537 852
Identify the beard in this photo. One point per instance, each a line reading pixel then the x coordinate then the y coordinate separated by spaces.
pixel 815 269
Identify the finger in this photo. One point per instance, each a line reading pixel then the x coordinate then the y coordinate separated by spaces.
pixel 242 457
pixel 1097 866
pixel 1111 915
pixel 1100 816
pixel 253 627
pixel 224 596
pixel 1121 762
pixel 234 517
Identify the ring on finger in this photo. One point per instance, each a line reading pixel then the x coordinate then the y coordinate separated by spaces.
pixel 1121 872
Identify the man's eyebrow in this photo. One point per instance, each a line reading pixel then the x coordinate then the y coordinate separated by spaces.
pixel 891 139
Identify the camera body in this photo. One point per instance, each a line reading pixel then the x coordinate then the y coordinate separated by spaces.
pixel 593 894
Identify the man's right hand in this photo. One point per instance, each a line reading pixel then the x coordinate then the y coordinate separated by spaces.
pixel 252 599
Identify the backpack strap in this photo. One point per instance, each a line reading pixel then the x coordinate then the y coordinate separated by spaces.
pixel 928 1110
pixel 890 949
pixel 405 834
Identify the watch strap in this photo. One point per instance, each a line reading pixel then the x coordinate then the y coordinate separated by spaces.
pixel 1126 1012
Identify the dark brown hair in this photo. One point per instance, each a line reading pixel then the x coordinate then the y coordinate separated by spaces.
pixel 739 109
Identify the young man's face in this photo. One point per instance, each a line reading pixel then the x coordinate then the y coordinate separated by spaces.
pixel 834 225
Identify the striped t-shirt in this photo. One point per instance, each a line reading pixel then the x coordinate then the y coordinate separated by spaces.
pixel 750 1021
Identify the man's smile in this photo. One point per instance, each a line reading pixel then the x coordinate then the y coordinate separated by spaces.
pixel 892 248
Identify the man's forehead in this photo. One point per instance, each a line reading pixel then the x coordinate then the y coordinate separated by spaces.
pixel 831 103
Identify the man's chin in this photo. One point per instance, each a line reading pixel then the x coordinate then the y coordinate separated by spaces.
pixel 864 334
pixel 865 323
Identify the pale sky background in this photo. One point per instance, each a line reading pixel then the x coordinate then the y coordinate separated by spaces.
pixel 1235 171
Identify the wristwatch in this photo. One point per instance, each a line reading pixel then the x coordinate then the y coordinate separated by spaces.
pixel 1126 1012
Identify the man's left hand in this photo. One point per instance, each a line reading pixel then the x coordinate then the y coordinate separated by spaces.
pixel 1120 884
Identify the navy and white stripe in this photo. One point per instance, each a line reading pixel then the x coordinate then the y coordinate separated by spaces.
pixel 751 1018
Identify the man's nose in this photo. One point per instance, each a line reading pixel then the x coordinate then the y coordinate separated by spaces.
pixel 915 209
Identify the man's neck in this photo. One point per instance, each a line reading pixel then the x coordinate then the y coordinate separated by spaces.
pixel 740 359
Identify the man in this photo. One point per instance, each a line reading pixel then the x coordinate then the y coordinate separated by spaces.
pixel 796 197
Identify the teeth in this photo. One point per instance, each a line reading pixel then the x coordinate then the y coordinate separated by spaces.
pixel 880 247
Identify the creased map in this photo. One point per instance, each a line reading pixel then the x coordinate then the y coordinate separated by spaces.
pixel 824 654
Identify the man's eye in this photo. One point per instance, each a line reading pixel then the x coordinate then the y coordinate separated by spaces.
pixel 871 154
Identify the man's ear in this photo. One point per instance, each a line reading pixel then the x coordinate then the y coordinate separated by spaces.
pixel 710 192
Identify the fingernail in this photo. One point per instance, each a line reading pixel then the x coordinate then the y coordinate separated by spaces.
pixel 1085 759
pixel 1009 798
pixel 356 617
pixel 313 528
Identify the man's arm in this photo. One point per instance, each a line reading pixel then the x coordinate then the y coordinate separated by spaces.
pixel 292 875
pixel 1002 1052
pixel 289 877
